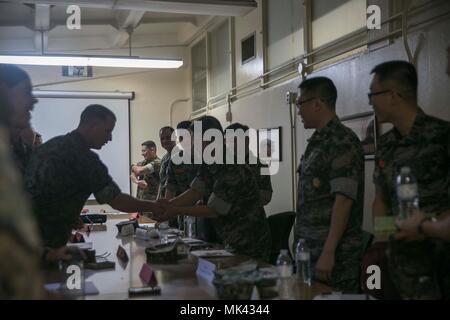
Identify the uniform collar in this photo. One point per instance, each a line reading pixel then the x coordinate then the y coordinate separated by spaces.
pixel 326 131
pixel 416 129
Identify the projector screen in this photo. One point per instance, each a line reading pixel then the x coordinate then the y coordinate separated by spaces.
pixel 57 116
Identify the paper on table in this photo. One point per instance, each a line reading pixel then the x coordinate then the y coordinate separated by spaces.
pixel 211 253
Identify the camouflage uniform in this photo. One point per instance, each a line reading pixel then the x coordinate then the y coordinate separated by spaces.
pixel 179 178
pixel 20 277
pixel 426 150
pixel 264 182
pixel 163 175
pixel 232 193
pixel 333 163
pixel 152 180
pixel 61 176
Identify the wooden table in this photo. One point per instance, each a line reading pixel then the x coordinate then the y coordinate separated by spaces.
pixel 177 281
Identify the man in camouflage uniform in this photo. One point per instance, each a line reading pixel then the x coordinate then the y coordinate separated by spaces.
pixel 20 276
pixel 232 200
pixel 422 143
pixel 330 189
pixel 165 136
pixel 180 175
pixel 146 173
pixel 58 196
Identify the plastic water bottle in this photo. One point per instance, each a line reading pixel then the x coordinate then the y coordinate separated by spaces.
pixel 407 193
pixel 284 267
pixel 303 262
pixel 190 227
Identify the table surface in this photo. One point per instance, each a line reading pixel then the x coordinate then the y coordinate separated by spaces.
pixel 177 281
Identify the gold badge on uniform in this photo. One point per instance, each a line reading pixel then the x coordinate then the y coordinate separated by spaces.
pixel 316 183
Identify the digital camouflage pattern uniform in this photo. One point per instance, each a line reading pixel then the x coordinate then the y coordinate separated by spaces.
pixel 264 182
pixel 163 175
pixel 414 265
pixel 20 276
pixel 179 178
pixel 151 178
pixel 333 163
pixel 61 176
pixel 232 192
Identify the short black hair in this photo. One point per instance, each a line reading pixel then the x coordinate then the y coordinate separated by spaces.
pixel 184 124
pixel 403 73
pixel 235 126
pixel 95 112
pixel 323 87
pixel 149 144
pixel 166 128
pixel 13 75
pixel 208 122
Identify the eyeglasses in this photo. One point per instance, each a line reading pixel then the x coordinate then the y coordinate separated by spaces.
pixel 300 103
pixel 372 94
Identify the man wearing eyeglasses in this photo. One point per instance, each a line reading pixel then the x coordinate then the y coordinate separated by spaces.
pixel 331 189
pixel 421 142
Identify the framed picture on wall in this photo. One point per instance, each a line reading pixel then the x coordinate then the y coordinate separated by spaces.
pixel 365 126
pixel 270 143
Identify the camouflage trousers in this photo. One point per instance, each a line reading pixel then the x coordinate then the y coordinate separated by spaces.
pixel 420 269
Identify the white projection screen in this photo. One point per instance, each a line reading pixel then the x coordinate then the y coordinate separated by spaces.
pixel 52 117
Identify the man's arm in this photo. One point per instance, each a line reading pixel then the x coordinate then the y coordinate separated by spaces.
pixel 187 198
pixel 126 203
pixel 133 178
pixel 194 211
pixel 409 228
pixel 339 218
pixel 139 170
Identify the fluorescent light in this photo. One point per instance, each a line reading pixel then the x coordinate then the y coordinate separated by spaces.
pixel 58 60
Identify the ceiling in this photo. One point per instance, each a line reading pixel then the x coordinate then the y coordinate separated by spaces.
pixel 36 26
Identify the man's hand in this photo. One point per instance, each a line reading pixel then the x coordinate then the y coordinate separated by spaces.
pixel 142 184
pixel 407 228
pixel 169 212
pixel 324 266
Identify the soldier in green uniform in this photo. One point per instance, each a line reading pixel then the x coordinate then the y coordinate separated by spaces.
pixel 422 143
pixel 165 136
pixel 330 189
pixel 180 175
pixel 233 202
pixel 146 173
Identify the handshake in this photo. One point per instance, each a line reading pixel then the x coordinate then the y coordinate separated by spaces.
pixel 164 210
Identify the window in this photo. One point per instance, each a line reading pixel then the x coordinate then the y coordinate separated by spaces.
pixel 339 24
pixel 248 48
pixel 333 19
pixel 220 80
pixel 199 72
pixel 284 31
